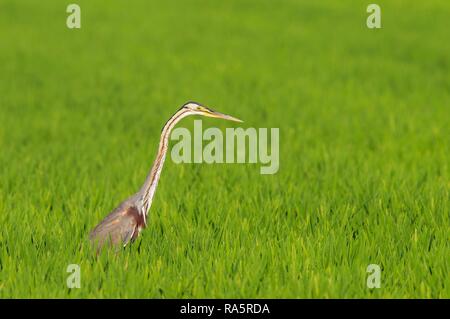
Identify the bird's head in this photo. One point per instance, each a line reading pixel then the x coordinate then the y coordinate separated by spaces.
pixel 198 109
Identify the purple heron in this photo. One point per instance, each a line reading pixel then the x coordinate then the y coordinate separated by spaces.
pixel 124 224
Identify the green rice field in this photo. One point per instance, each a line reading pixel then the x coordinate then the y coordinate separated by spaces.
pixel 364 148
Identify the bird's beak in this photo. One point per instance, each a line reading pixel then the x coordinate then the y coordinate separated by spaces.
pixel 210 113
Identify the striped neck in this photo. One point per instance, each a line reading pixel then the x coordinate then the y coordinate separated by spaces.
pixel 147 190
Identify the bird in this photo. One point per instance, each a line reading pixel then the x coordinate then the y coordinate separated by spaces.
pixel 126 222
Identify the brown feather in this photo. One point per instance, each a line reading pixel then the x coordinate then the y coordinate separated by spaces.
pixel 121 226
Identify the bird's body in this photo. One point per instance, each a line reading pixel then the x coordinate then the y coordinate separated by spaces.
pixel 124 224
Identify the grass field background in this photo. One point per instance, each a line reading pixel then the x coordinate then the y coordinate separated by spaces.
pixel 364 119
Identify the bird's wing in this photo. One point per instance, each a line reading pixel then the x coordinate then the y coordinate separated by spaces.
pixel 119 227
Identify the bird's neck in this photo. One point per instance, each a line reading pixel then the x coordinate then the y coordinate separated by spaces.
pixel 147 190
